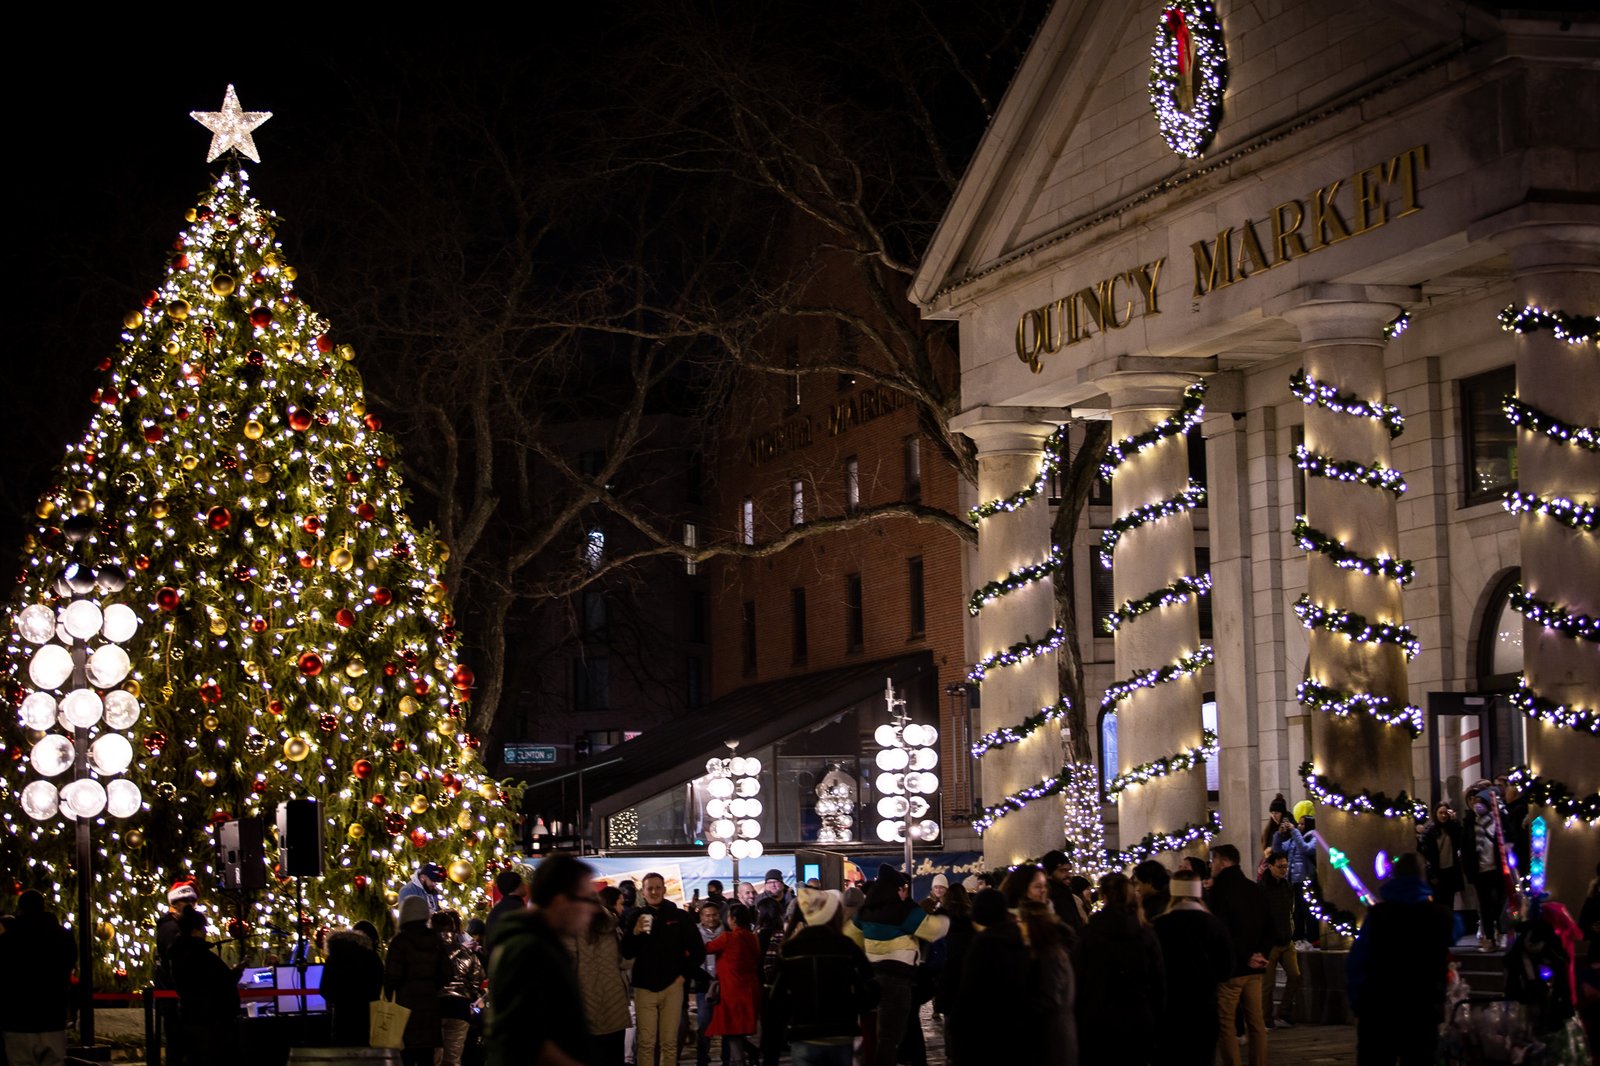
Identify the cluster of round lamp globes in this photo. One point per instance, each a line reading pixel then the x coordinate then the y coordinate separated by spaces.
pixel 733 808
pixel 907 756
pixel 64 659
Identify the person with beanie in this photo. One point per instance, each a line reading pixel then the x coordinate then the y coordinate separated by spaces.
pixel 208 993
pixel 181 898
pixel 536 1008
pixel 667 952
pixel 414 974
pixel 774 887
pixel 891 929
pixel 1398 969
pixel 1197 956
pixel 824 984
pixel 1242 907
pixel 512 885
pixel 37 957
pixel 941 885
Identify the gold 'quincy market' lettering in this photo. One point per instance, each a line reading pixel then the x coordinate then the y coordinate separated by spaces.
pixel 1300 227
pixel 1098 308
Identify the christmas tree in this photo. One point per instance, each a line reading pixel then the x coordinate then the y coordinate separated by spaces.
pixel 295 637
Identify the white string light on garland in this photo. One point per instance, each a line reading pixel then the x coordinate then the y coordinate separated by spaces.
pixel 1191 663
pixel 1050 786
pixel 1188 415
pixel 1188 73
pixel 1179 590
pixel 1375 476
pixel 1364 802
pixel 1025 649
pixel 1051 457
pixel 1582 720
pixel 1314 540
pixel 1192 496
pixel 1528 417
pixel 1187 759
pixel 1313 393
pixel 1356 627
pixel 1014 734
pixel 1582 517
pixel 1054 563
pixel 1153 844
pixel 1554 616
pixel 1342 922
pixel 1316 695
pixel 1574 329
pixel 1544 792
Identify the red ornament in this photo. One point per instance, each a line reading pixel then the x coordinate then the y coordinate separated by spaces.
pixel 167 598
pixel 328 722
pixel 420 686
pixel 381 462
pixel 366 512
pixel 183 414
pixel 312 524
pixel 238 929
pixel 378 799
pixel 155 742
pixel 394 823
pixel 243 573
pixel 152 434
pixel 324 343
pixel 258 786
pixel 409 657
pixel 258 624
pixel 219 518
pixel 310 664
pixel 362 769
pixel 141 562
pixel 382 596
pixel 182 262
pixel 261 317
pixel 419 837
pixel 398 746
pixel 345 617
pixel 299 419
pixel 374 423
pixel 351 477
pixel 454 786
pixel 390 669
pixel 275 707
pixel 104 364
pixel 151 298
pixel 211 693
pixel 402 550
pixel 307 561
pixel 463 677
pixel 422 777
pixel 255 358
pixel 322 418
pixel 221 817
pixel 360 882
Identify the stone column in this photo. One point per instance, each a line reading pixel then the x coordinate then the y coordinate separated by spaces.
pixel 1162 720
pixel 1555 265
pixel 1342 343
pixel 1009 442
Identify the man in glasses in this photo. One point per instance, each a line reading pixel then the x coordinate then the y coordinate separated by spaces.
pixel 1280 890
pixel 535 1006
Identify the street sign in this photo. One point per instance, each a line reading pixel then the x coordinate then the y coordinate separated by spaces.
pixel 529 754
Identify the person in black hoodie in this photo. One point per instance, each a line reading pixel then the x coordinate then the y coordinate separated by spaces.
pixel 1118 960
pixel 1058 871
pixel 1239 902
pixel 414 973
pixel 1397 970
pixel 352 978
pixel 208 993
pixel 1197 956
pixel 37 958
pixel 823 986
pixel 666 950
pixel 1150 881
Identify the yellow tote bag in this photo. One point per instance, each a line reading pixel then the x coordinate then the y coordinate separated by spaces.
pixel 386 1025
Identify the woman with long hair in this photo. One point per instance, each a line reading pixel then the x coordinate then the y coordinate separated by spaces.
pixel 1121 978
pixel 737 1009
pixel 597 958
pixel 1015 999
pixel 1025 883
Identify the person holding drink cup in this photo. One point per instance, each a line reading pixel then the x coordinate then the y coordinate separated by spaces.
pixel 666 950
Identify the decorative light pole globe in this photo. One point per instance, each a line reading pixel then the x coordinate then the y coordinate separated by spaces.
pixel 733 809
pixel 907 759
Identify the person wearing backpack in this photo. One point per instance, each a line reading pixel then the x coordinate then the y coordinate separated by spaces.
pixel 1397 970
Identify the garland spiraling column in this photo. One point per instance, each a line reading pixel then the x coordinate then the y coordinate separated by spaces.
pixel 1160 784
pixel 1559 691
pixel 1077 784
pixel 1356 680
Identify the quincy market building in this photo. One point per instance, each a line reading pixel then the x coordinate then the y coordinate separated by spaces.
pixel 1364 161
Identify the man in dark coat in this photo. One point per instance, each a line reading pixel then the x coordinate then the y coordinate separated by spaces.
pixel 665 945
pixel 414 973
pixel 1150 880
pixel 1198 957
pixel 351 979
pixel 1281 893
pixel 535 1005
pixel 1058 874
pixel 1397 971
pixel 513 889
pixel 37 958
pixel 208 993
pixel 1240 904
pixel 824 984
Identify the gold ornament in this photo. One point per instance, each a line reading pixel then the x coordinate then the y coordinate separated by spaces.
pixel 262 473
pixel 253 430
pixel 158 508
pixel 441 664
pixel 131 687
pixel 222 284
pixel 358 408
pixel 447 727
pixel 173 349
pixel 442 550
pixel 391 897
pixel 133 320
pixel 210 721
pixel 271 259
pixel 353 702
pixel 178 309
pixel 500 832
pixel 419 804
pixel 107 930
pixel 341 559
pixel 403 779
pixel 189 462
pixel 45 508
pixel 82 500
pixel 464 820
pixel 487 790
pixel 408 706
pixel 288 347
pixel 290 273
pixel 356 667
pixel 208 778
pixel 436 592
pixel 296 749
pixel 218 625
pixel 356 831
pixel 263 519
pixel 134 838
pixel 347 352
pixel 190 215
pixel 461 871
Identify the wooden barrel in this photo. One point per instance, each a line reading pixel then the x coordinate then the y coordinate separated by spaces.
pixel 328 1056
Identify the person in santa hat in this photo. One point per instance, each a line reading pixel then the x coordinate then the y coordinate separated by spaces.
pixel 182 898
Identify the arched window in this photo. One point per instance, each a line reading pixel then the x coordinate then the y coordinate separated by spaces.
pixel 1500 637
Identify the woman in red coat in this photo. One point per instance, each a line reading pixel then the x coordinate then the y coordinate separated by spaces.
pixel 738 982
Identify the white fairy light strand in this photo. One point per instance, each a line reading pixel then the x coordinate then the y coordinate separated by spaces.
pixel 1191 663
pixel 1554 617
pixel 1377 475
pixel 1015 734
pixel 1178 762
pixel 1532 705
pixel 1188 415
pixel 1573 329
pixel 1179 590
pixel 1364 802
pixel 1192 496
pixel 1188 129
pixel 1023 650
pixel 1582 517
pixel 1313 393
pixel 1356 627
pixel 1343 704
pixel 1528 417
pixel 1051 457
pixel 1052 564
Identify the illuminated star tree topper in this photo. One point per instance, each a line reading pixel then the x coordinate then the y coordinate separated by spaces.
pixel 231 127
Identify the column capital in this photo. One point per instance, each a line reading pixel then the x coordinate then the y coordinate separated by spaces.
pixel 1342 314
pixel 1544 238
pixel 1143 390
pixel 1009 430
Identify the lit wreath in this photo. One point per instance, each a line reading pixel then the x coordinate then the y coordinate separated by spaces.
pixel 1188 72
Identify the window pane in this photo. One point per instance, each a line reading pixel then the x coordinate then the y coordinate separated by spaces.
pixel 916 604
pixel 797 495
pixel 747 521
pixel 855 613
pixel 1506 658
pixel 1202 565
pixel 1108 749
pixel 913 468
pixel 852 484
pixel 1208 718
pixel 1491 440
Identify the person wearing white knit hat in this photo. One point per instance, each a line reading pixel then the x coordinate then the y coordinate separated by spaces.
pixel 941 885
pixel 824 984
